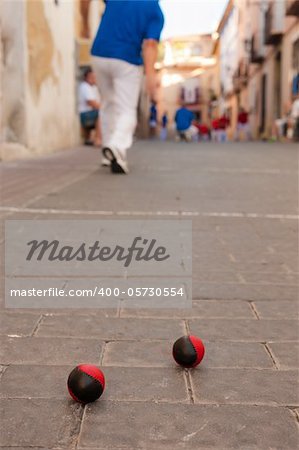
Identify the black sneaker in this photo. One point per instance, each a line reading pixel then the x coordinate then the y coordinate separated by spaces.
pixel 118 164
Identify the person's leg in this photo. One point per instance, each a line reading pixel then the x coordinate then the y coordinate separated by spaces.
pixel 183 136
pixel 126 87
pixel 104 78
pixel 194 133
pixel 94 124
pixel 152 131
pixel 98 134
pixel 163 134
pixel 188 134
pixel 88 120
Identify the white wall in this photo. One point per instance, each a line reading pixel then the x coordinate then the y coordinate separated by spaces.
pixel 13 120
pixel 229 56
pixel 52 121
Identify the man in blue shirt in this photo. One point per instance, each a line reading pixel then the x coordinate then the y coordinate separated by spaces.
pixel 184 119
pixel 127 40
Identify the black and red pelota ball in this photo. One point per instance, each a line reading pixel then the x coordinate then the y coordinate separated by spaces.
pixel 86 383
pixel 188 351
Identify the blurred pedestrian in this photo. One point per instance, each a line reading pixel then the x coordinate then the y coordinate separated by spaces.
pixel 164 125
pixel 223 125
pixel 215 129
pixel 184 119
pixel 153 119
pixel 204 132
pixel 243 126
pixel 295 118
pixel 127 38
pixel 88 106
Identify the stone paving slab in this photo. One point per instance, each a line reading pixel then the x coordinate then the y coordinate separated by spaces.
pixel 135 425
pixel 277 310
pixel 100 312
pixel 40 175
pixel 266 262
pixel 35 381
pixel 41 423
pixel 270 278
pixel 107 329
pixel 246 386
pixel 13 323
pixel 159 354
pixel 146 384
pixel 200 309
pixel 49 351
pixel 215 277
pixel 245 330
pixel 286 354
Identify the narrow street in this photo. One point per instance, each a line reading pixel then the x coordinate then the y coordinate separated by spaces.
pixel 242 199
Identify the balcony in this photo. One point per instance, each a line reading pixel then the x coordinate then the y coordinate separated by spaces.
pixel 274 22
pixel 292 8
pixel 257 50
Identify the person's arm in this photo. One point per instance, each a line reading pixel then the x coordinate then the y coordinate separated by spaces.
pixel 150 46
pixel 93 103
pixel 150 53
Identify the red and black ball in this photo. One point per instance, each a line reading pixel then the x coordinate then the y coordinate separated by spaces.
pixel 188 351
pixel 86 383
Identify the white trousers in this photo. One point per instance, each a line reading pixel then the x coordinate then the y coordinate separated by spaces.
pixel 119 83
pixel 191 133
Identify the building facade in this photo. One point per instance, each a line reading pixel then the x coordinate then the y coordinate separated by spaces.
pixel 259 48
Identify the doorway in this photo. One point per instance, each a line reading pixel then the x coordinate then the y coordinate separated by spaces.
pixel 263 104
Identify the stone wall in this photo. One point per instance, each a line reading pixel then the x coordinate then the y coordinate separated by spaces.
pixel 52 121
pixel 38 63
pixel 13 66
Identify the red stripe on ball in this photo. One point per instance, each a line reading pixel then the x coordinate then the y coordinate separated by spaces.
pixel 199 348
pixel 94 372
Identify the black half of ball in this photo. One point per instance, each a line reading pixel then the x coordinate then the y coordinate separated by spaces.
pixel 83 387
pixel 184 352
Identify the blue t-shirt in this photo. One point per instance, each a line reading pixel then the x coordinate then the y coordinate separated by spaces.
pixel 124 26
pixel 183 119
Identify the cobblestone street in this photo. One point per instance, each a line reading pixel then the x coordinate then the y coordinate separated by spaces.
pixel 242 199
